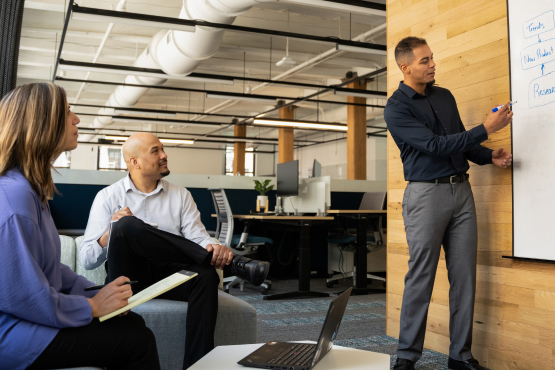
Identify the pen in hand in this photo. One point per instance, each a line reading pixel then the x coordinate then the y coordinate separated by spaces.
pixel 97 287
pixel 500 106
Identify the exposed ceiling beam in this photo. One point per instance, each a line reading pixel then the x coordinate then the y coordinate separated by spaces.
pixel 327 90
pixel 230 95
pixel 352 6
pixel 113 16
pixel 154 111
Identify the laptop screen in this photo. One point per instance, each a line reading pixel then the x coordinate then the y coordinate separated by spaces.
pixel 331 326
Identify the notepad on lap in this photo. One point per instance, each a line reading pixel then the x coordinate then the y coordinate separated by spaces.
pixel 153 291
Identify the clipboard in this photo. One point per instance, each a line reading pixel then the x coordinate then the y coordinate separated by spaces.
pixel 153 291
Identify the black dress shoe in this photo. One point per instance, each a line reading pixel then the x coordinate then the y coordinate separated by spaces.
pixel 403 364
pixel 471 364
pixel 253 271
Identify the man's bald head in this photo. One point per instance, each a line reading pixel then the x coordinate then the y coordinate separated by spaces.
pixel 135 144
pixel 144 156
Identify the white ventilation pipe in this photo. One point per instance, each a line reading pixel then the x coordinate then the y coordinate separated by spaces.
pixel 177 53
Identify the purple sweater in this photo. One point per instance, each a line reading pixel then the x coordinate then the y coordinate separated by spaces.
pixel 38 294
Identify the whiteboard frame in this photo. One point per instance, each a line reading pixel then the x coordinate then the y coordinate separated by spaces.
pixel 512 146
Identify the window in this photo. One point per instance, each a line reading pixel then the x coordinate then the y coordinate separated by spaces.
pixel 110 158
pixel 63 161
pixel 249 162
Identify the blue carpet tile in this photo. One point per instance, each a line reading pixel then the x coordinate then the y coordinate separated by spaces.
pixel 307 306
pixel 320 319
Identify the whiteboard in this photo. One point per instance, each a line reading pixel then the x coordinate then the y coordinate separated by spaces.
pixel 532 60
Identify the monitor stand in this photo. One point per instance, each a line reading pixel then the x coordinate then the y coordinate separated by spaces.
pixel 279 207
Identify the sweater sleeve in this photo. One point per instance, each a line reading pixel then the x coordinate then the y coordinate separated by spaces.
pixel 73 283
pixel 25 291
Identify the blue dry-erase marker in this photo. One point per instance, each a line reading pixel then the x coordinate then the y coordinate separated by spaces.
pixel 500 106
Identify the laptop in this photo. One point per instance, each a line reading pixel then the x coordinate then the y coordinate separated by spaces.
pixel 301 356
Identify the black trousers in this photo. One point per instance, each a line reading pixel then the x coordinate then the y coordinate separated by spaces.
pixel 120 343
pixel 148 255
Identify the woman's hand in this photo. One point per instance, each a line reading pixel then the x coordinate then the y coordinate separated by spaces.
pixel 111 298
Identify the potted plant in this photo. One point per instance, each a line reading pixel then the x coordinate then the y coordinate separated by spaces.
pixel 263 188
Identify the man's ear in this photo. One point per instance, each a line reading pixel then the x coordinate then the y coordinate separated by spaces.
pixel 134 162
pixel 405 68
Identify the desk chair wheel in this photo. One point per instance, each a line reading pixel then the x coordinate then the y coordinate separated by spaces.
pixel 264 291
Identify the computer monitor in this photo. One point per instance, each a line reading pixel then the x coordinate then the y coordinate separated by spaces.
pixel 288 179
pixel 316 169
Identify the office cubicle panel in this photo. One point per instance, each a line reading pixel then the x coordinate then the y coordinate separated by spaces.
pixel 311 199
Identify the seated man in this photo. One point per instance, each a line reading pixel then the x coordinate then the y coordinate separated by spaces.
pixel 149 254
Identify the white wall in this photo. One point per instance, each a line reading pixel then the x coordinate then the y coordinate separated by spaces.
pixel 195 161
pixel 181 160
pixel 333 158
pixel 84 157
pixel 265 163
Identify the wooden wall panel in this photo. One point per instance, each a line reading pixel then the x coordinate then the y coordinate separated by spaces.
pixel 515 300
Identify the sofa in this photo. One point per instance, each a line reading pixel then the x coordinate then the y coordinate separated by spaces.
pixel 237 320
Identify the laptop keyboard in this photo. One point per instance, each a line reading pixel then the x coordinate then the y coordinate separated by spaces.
pixel 299 355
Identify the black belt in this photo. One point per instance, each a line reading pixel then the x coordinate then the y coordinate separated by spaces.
pixel 448 179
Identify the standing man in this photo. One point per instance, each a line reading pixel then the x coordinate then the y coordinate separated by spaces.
pixel 438 205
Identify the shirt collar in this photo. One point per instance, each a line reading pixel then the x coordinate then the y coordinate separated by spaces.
pixel 130 186
pixel 410 92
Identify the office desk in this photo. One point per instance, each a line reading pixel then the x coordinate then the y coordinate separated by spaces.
pixel 305 222
pixel 362 216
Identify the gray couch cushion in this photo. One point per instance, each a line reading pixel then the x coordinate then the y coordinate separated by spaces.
pixel 67 245
pixel 237 324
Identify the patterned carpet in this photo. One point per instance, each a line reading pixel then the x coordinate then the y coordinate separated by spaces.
pixel 363 325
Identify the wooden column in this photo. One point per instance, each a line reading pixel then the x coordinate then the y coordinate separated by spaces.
pixel 356 135
pixel 239 151
pixel 286 136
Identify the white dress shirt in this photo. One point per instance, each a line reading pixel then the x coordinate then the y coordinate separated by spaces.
pixel 170 206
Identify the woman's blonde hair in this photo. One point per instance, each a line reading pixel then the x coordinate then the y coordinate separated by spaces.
pixel 32 133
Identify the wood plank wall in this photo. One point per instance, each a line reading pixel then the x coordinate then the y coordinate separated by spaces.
pixel 515 304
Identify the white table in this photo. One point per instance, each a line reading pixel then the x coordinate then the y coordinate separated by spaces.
pixel 339 358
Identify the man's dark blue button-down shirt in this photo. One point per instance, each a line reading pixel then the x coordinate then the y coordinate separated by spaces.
pixel 430 134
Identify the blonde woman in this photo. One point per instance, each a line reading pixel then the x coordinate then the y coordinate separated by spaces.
pixel 47 320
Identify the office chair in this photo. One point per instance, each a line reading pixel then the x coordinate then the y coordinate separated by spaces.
pixel 374 239
pixel 242 245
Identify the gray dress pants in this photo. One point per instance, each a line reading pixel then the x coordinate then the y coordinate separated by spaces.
pixel 437 214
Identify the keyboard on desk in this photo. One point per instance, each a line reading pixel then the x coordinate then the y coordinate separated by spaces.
pixel 298 355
